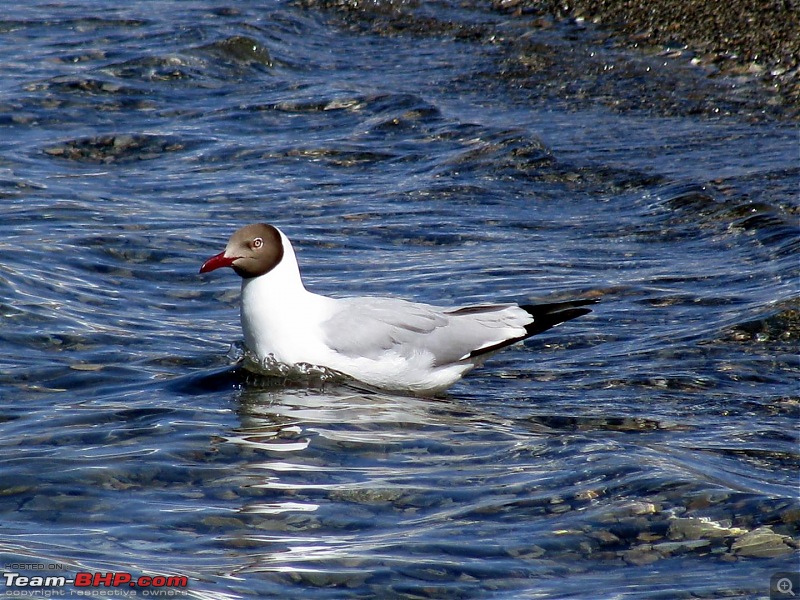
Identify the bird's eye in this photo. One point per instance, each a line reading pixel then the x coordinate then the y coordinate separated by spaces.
pixel 257 243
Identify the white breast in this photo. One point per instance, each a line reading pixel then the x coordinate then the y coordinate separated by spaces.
pixel 281 318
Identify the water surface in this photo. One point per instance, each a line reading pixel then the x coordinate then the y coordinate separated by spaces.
pixel 442 152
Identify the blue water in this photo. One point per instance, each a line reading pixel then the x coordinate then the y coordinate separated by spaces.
pixel 442 152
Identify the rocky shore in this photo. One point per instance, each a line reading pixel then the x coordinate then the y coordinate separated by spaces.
pixel 753 39
pixel 748 52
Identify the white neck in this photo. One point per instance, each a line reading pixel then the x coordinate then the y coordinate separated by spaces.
pixel 285 277
pixel 277 310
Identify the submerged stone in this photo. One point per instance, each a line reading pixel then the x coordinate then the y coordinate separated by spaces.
pixel 242 49
pixel 763 543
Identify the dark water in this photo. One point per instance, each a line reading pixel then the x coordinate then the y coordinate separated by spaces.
pixel 443 152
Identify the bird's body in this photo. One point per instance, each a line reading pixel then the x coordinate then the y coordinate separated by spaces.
pixel 388 343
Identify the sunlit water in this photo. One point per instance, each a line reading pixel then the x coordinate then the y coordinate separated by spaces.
pixel 435 152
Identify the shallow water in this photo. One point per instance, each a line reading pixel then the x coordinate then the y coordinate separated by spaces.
pixel 441 152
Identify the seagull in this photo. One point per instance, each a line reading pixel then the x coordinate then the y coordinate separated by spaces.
pixel 386 343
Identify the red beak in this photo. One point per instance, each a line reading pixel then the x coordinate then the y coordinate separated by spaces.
pixel 217 262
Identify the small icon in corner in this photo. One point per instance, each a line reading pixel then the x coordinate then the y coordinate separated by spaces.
pixel 784 585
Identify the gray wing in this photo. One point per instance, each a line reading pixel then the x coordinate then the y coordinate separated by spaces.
pixel 373 327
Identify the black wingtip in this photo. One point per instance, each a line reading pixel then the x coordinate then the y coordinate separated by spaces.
pixel 546 316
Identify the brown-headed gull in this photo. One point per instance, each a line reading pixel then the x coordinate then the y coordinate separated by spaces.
pixel 387 343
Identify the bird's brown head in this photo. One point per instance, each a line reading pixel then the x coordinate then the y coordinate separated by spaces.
pixel 253 250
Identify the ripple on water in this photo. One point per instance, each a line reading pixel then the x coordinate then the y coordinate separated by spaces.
pixel 449 154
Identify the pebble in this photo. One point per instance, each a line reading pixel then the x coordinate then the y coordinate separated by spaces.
pixel 604 537
pixel 86 367
pixel 527 553
pixel 242 49
pixel 696 528
pixel 763 543
pixel 226 523
pixel 113 148
pixel 669 548
pixel 640 556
